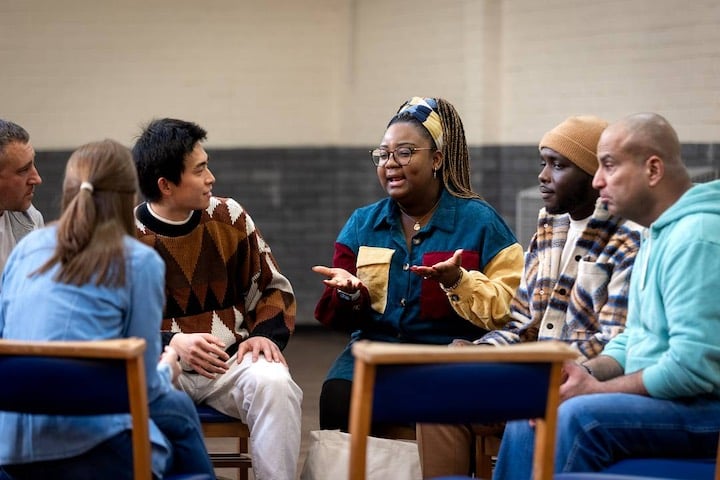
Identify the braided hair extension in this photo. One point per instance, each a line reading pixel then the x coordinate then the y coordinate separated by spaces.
pixel 456 164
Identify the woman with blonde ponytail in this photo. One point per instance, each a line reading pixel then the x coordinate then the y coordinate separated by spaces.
pixel 86 277
pixel 99 194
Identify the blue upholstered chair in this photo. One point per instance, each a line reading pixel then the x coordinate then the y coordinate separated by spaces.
pixel 441 384
pixel 113 368
pixel 654 469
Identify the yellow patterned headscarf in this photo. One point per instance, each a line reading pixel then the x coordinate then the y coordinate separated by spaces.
pixel 424 110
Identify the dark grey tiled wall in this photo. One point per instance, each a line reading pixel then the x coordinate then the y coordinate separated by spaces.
pixel 301 197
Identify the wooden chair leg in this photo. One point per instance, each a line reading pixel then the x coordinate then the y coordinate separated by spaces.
pixel 487 446
pixel 243 447
pixel 216 425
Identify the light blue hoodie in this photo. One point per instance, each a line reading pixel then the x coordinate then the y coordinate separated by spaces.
pixel 673 326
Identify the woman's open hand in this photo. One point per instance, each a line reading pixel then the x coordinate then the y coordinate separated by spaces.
pixel 446 272
pixel 338 278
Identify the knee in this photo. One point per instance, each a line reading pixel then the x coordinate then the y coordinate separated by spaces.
pixel 174 401
pixel 574 413
pixel 272 379
pixel 174 408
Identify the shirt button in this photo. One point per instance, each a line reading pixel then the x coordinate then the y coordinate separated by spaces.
pixel 550 326
pixel 541 291
pixel 454 298
pixel 406 266
pixel 562 291
pixel 578 258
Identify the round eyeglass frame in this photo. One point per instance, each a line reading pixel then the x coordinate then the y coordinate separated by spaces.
pixel 378 162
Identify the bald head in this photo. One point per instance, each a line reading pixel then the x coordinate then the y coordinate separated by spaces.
pixel 640 170
pixel 650 134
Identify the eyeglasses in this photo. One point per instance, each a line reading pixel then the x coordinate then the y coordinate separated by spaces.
pixel 402 155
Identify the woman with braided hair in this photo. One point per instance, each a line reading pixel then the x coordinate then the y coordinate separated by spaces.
pixel 429 263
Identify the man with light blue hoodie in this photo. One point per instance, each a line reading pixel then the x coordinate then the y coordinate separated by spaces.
pixel 655 389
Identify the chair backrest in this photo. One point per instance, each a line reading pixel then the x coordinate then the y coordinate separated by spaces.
pixel 433 383
pixel 85 378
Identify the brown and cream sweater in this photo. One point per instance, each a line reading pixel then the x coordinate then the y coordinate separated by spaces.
pixel 221 277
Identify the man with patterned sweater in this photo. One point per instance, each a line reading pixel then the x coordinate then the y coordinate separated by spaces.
pixel 575 282
pixel 229 311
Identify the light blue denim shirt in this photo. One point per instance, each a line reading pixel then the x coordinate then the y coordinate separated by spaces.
pixel 35 307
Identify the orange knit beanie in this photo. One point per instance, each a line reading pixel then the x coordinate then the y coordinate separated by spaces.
pixel 576 139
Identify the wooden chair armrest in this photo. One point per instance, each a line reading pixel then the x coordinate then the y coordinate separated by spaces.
pixel 121 348
pixel 405 353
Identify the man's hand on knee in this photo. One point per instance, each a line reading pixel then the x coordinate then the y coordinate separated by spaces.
pixel 203 352
pixel 258 345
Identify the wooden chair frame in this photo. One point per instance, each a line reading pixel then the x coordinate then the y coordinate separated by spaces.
pixel 129 351
pixel 228 427
pixel 371 356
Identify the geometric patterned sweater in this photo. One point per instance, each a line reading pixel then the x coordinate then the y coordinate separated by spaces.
pixel 221 277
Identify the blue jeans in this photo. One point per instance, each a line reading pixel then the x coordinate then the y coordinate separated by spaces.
pixel 175 415
pixel 110 459
pixel 595 431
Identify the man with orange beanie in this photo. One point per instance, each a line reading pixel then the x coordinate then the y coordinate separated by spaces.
pixel 575 281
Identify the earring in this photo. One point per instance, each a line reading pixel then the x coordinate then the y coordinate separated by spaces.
pixel 434 173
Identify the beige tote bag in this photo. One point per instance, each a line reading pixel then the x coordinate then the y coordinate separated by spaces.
pixel 329 456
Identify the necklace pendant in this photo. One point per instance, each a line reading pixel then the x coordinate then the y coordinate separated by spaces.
pixel 416 227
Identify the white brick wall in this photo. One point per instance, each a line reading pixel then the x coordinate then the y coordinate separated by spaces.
pixel 610 58
pixel 331 72
pixel 252 73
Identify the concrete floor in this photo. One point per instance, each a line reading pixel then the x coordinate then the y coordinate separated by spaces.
pixel 310 353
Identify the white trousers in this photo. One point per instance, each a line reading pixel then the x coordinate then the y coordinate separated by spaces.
pixel 264 396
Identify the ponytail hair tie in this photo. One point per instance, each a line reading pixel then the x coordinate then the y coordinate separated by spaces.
pixel 87 186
